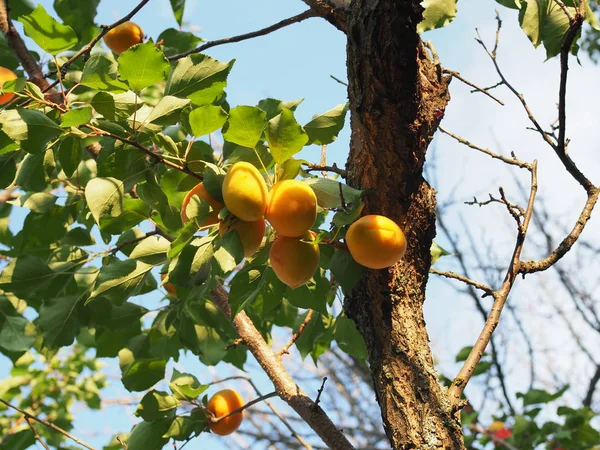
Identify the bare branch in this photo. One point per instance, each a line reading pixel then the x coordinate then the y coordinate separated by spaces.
pixel 486 289
pixel 330 12
pixel 285 386
pixel 474 86
pixel 500 296
pixel 47 424
pixel 322 168
pixel 296 335
pixel 512 161
pixel 36 434
pixel 320 391
pixel 242 37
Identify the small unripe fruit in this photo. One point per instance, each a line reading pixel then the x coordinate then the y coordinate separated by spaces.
pixel 220 405
pixel 123 37
pixel 201 192
pixel 6 75
pixel 293 261
pixel 376 242
pixel 251 233
pixel 292 208
pixel 245 192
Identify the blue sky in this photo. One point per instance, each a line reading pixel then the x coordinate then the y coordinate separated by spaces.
pixel 296 62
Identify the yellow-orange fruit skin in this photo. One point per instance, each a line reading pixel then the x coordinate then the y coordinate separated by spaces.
pixel 251 233
pixel 222 404
pixel 376 242
pixel 292 208
pixel 294 261
pixel 5 75
pixel 245 192
pixel 169 287
pixel 200 191
pixel 123 37
pixel 497 425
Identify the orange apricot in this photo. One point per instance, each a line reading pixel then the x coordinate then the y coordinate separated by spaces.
pixel 245 192
pixel 5 75
pixel 200 191
pixel 376 242
pixel 220 405
pixel 123 36
pixel 169 287
pixel 292 208
pixel 293 261
pixel 251 233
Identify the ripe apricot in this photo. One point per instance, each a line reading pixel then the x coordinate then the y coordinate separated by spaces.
pixel 169 287
pixel 220 405
pixel 376 242
pixel 251 233
pixel 294 261
pixel 245 192
pixel 123 36
pixel 201 192
pixel 292 208
pixel 5 75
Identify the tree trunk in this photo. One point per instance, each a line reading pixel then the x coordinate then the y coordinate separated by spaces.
pixel 396 96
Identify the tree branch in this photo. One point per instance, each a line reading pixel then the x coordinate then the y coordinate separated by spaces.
pixel 36 434
pixel 296 335
pixel 488 291
pixel 285 386
pixel 242 37
pixel 474 86
pixel 330 12
pixel 47 424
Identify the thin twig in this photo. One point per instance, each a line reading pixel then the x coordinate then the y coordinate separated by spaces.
pixel 339 81
pixel 36 434
pixel 486 289
pixel 47 424
pixel 473 85
pixel 133 241
pixel 245 406
pixel 320 168
pixel 242 37
pixel 296 335
pixel 320 391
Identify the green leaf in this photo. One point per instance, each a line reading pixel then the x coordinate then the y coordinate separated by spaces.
pixel 437 14
pixel 76 117
pixel 39 202
pixel 140 374
pixel 482 367
pixel 40 130
pixel 59 321
pixel 116 106
pixel 328 192
pixel 245 126
pixel 52 36
pixel 437 252
pixel 152 250
pixel 345 270
pixel 348 337
pixel 514 4
pixel 230 252
pixel 167 105
pixel 207 119
pixel 79 16
pixel 176 41
pixel 192 266
pixel 143 65
pixel 100 72
pixel 245 287
pixel 285 136
pixel 182 427
pixel 148 435
pixel 25 272
pixel 324 129
pixel 156 405
pixel 199 78
pixel 463 354
pixel 7 145
pixel 178 7
pixel 545 22
pixel 104 196
pixel 537 396
pixel 185 386
pixel 14 336
pixel 31 176
pixel 120 280
pixel 70 154
pixel 273 107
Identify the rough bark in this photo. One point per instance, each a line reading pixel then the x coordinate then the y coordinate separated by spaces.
pixel 396 95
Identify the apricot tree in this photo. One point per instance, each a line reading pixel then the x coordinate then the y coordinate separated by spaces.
pixel 123 148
